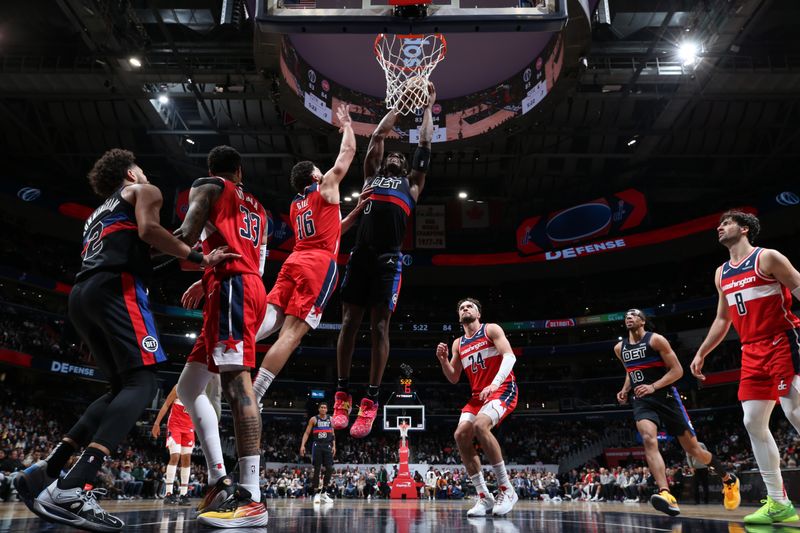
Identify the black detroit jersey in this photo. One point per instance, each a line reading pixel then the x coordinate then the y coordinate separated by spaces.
pixel 383 223
pixel 642 362
pixel 323 431
pixel 111 241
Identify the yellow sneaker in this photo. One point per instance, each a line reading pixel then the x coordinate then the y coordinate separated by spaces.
pixel 238 511
pixel 730 494
pixel 665 502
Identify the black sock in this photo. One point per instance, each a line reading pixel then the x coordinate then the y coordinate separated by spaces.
pixel 372 392
pixel 716 466
pixel 58 458
pixel 342 384
pixel 84 471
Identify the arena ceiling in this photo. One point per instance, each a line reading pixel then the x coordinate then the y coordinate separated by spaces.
pixel 628 114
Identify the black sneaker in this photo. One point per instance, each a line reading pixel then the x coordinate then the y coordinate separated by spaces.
pixel 170 499
pixel 77 508
pixel 222 491
pixel 183 500
pixel 31 482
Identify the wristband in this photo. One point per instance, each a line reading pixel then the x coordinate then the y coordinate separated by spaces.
pixel 195 257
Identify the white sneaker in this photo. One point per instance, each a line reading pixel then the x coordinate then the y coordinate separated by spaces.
pixel 77 508
pixel 317 498
pixel 483 506
pixel 325 498
pixel 505 502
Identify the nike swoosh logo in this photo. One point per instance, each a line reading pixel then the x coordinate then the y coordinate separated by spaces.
pixel 776 341
pixel 726 271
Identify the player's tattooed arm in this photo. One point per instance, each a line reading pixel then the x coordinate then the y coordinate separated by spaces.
pixel 201 198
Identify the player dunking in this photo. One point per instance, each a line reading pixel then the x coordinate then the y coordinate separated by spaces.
pixel 755 289
pixel 110 310
pixel 651 368
pixel 225 213
pixel 323 448
pixel 308 276
pixel 487 359
pixel 180 442
pixel 374 271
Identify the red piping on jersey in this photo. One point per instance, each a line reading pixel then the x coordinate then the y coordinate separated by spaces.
pixel 392 200
pixel 654 364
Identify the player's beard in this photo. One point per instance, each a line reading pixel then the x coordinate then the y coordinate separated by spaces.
pixel 468 320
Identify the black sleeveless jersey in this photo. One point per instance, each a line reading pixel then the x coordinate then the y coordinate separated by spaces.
pixel 111 241
pixel 642 362
pixel 383 222
pixel 323 431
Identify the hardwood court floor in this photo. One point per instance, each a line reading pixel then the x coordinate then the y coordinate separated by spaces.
pixel 359 516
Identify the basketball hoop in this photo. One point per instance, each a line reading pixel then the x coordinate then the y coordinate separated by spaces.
pixel 408 60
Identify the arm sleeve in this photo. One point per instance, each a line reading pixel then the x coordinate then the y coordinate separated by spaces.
pixel 263 253
pixel 505 368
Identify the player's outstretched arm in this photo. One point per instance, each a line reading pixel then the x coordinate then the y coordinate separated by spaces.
pixel 350 220
pixel 372 162
pixel 147 202
pixel 168 401
pixel 674 368
pixel 422 155
pixel 719 328
pixel 329 185
pixel 498 336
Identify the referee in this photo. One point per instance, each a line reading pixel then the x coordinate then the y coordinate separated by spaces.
pixel 323 448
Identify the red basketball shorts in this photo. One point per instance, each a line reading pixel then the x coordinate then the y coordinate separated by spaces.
pixel 304 285
pixel 234 309
pixel 769 366
pixel 497 406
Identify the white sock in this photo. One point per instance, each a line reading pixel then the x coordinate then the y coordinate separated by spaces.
pixel 791 404
pixel 765 450
pixel 191 391
pixel 249 474
pixel 170 478
pixel 261 384
pixel 480 484
pixel 184 488
pixel 502 477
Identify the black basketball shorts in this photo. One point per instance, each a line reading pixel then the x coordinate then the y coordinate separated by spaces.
pixel 372 278
pixel 111 312
pixel 665 409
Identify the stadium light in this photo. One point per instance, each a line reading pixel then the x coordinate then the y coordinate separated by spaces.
pixel 687 52
pixel 135 61
pixel 189 140
pixel 163 99
pixel 462 195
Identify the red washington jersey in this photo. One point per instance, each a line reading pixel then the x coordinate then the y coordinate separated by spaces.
pixel 480 360
pixel 760 307
pixel 317 223
pixel 179 418
pixel 237 220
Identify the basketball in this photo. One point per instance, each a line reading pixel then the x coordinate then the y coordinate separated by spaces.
pixel 413 95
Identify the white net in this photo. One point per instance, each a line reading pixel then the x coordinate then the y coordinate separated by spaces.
pixel 407 61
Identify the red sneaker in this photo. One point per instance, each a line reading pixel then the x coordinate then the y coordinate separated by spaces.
pixel 366 416
pixel 341 410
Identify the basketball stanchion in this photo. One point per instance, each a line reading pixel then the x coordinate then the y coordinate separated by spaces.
pixel 403 485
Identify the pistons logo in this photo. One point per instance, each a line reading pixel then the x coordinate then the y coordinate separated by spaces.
pixel 150 344
pixel 394 299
